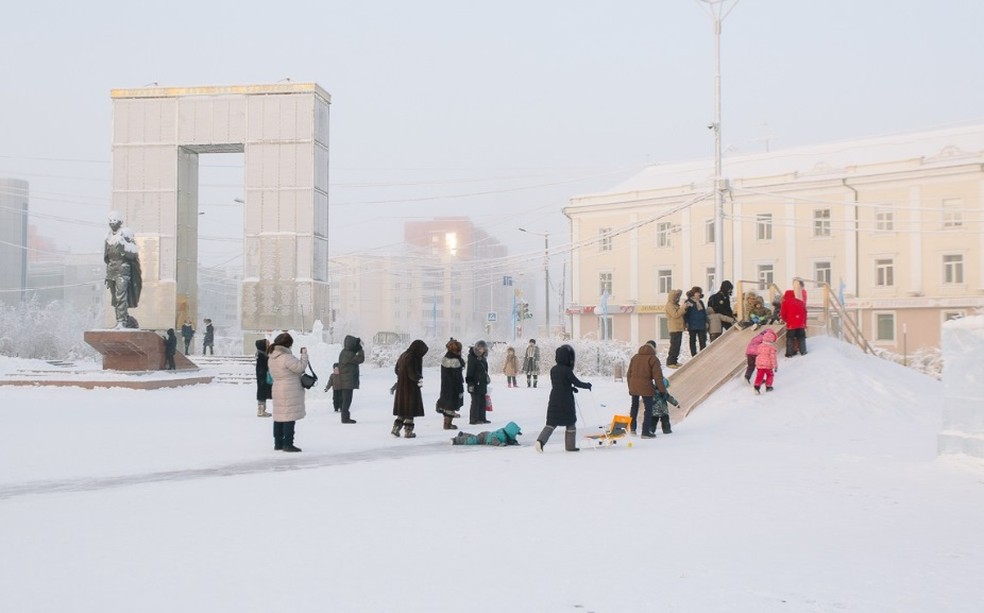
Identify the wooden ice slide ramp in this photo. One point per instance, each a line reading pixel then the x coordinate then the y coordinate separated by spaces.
pixel 720 362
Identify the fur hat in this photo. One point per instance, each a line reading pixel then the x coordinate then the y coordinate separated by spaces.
pixel 453 346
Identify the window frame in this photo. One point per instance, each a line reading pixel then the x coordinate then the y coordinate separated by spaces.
pixel 888 265
pixel 764 225
pixel 605 239
pixel 660 278
pixel 958 269
pixel 602 282
pixel 822 223
pixel 876 320
pixel 664 234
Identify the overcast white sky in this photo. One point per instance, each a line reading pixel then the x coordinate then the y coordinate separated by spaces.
pixel 531 101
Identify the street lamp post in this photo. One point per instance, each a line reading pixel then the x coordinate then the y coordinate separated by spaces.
pixel 546 273
pixel 716 9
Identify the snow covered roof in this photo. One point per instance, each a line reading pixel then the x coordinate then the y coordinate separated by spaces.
pixel 935 147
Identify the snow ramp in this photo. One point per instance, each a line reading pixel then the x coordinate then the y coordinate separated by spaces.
pixel 721 361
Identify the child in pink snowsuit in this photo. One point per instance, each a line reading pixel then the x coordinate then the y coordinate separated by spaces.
pixel 751 354
pixel 766 361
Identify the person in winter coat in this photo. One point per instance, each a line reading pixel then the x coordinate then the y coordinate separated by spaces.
pixel 531 363
pixel 751 352
pixel 408 402
pixel 187 333
pixel 695 318
pixel 766 361
pixel 477 379
pixel 793 312
pixel 336 395
pixel 288 394
pixel 264 390
pixel 717 323
pixel 452 395
pixel 674 323
pixel 644 378
pixel 561 410
pixel 347 382
pixel 720 303
pixel 511 367
pixel 505 435
pixel 170 346
pixel 208 343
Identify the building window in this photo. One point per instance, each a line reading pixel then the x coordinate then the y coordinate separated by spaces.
pixel 605 328
pixel 605 239
pixel 884 220
pixel 662 328
pixel 952 213
pixel 885 327
pixel 664 281
pixel 953 269
pixel 709 231
pixel 821 272
pixel 710 277
pixel 766 274
pixel 604 283
pixel 663 231
pixel 763 226
pixel 821 222
pixel 885 273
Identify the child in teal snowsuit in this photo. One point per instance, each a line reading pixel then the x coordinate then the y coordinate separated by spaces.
pixel 498 438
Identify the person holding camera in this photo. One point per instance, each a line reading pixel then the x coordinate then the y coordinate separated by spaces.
pixel 288 393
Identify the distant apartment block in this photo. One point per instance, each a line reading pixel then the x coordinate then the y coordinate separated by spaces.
pixel 13 239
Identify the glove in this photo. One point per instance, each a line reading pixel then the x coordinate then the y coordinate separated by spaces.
pixel 672 400
pixel 588 387
pixel 420 383
pixel 574 389
pixel 471 389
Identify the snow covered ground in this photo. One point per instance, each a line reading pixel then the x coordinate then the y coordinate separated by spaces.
pixel 825 495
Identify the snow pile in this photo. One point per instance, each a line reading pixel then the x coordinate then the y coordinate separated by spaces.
pixel 49 332
pixel 963 412
pixel 823 495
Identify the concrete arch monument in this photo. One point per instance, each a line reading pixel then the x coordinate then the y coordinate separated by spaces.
pixel 282 130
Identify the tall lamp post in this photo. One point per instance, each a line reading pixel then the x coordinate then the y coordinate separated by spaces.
pixel 546 272
pixel 718 10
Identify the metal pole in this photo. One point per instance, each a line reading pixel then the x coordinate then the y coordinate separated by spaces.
pixel 718 187
pixel 546 278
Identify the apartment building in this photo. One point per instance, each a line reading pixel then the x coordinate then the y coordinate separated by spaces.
pixel 892 224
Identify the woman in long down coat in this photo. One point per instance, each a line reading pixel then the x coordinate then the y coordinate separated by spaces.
pixel 561 410
pixel 264 391
pixel 408 402
pixel 452 384
pixel 288 394
pixel 477 378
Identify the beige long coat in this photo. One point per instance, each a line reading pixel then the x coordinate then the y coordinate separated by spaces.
pixel 288 395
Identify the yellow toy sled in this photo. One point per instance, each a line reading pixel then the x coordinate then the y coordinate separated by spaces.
pixel 619 428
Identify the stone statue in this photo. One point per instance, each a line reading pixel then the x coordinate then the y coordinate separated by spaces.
pixel 123 276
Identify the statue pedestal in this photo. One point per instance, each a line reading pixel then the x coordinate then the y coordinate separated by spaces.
pixel 133 350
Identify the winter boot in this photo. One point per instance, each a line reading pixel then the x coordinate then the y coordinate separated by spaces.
pixel 768 388
pixel 665 423
pixel 758 389
pixel 408 430
pixel 534 380
pixel 543 438
pixel 289 447
pixel 529 381
pixel 345 417
pixel 261 410
pixel 570 440
pixel 447 423
pixel 397 426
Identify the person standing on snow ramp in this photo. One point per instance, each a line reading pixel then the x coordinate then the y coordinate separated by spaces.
pixel 560 408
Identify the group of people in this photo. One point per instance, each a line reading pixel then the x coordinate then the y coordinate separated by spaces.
pixel 698 320
pixel 187 333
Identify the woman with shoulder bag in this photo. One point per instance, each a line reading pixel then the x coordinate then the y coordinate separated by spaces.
pixel 288 394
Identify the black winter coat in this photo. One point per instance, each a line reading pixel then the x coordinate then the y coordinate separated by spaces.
pixel 560 408
pixel 170 344
pixel 407 400
pixel 477 373
pixel 348 364
pixel 264 391
pixel 721 301
pixel 452 383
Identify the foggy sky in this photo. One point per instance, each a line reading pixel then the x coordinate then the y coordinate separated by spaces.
pixel 526 103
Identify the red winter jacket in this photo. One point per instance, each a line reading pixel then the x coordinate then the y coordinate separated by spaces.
pixel 793 310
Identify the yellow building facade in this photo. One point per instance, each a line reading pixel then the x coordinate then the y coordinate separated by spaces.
pixel 893 225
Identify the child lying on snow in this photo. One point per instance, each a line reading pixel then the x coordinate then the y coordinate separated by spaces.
pixel 503 436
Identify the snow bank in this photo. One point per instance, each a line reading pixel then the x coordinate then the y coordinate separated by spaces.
pixel 963 385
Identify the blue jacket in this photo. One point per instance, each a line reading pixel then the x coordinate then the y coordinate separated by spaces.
pixel 696 315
